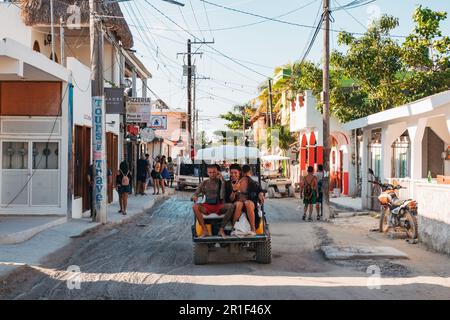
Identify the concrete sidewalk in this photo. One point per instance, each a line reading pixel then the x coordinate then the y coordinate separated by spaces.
pixel 17 229
pixel 347 203
pixel 45 242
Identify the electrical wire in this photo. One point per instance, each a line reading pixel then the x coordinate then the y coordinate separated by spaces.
pixel 221 53
pixel 288 22
pixel 195 18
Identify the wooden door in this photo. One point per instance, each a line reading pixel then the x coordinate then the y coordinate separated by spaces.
pixel 86 161
pixel 78 162
pixel 112 146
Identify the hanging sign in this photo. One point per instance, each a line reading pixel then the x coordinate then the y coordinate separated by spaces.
pixel 114 100
pixel 158 122
pixel 138 110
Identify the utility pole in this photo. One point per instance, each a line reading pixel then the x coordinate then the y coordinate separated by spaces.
pixel 243 123
pixel 194 107
pixel 61 38
pixel 52 25
pixel 270 103
pixel 98 115
pixel 189 83
pixel 326 109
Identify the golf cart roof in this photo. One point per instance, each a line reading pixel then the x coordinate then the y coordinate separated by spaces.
pixel 274 157
pixel 227 153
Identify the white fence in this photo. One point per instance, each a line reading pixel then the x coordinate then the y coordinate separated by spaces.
pixel 411 187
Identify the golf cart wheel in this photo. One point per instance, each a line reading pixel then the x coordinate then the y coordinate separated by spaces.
pixel 411 225
pixel 180 187
pixel 291 191
pixel 384 220
pixel 264 251
pixel 200 253
pixel 271 192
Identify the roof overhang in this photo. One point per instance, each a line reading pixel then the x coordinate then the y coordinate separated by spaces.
pixel 18 62
pixel 141 70
pixel 415 108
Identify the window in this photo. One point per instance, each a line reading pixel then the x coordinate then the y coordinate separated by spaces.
pixel 375 152
pixel 400 156
pixel 183 125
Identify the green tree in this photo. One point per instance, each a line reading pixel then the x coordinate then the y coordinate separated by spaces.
pixel 280 135
pixel 374 60
pixel 235 117
pixel 426 55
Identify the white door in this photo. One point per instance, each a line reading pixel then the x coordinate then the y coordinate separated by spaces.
pixel 30 173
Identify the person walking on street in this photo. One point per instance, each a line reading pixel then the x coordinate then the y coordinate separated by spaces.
pixel 158 179
pixel 309 192
pixel 164 172
pixel 142 169
pixel 319 175
pixel 123 186
pixel 171 169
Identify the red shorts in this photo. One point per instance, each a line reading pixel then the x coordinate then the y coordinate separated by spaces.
pixel 212 208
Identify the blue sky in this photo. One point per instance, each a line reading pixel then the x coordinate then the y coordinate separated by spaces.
pixel 260 47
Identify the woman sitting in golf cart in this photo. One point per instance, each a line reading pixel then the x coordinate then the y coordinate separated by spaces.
pixel 241 191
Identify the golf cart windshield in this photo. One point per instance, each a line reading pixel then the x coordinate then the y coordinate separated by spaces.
pixel 269 166
pixel 191 170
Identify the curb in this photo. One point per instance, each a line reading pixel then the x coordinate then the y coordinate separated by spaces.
pixel 22 236
pixel 126 219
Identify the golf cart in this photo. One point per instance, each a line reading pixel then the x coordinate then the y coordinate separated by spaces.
pixel 260 243
pixel 187 174
pixel 274 181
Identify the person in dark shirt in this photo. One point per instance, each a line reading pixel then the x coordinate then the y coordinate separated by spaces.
pixel 143 167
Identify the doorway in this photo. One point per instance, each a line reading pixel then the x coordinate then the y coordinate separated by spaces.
pixel 30 173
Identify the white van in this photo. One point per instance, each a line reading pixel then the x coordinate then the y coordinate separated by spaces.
pixel 187 174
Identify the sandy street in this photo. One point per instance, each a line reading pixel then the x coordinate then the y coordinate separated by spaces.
pixel 151 258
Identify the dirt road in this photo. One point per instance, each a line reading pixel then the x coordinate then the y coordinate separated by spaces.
pixel 151 258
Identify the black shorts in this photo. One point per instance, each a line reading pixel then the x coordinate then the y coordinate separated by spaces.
pixel 142 179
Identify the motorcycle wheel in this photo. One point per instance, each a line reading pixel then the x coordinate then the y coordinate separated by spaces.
pixel 384 220
pixel 411 225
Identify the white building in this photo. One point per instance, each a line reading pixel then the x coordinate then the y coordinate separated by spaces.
pixel 35 93
pixel 307 121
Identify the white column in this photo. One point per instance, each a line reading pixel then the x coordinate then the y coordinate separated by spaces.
pixel 134 87
pixel 144 88
pixel 364 169
pixel 416 132
pixel 448 122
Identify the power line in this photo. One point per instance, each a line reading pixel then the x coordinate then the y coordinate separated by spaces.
pixel 348 12
pixel 207 20
pixel 221 53
pixel 195 18
pixel 284 21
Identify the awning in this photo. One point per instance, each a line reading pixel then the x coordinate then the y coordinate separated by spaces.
pixel 19 62
pixel 227 153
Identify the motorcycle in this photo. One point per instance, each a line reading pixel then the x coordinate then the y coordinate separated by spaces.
pixel 395 212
